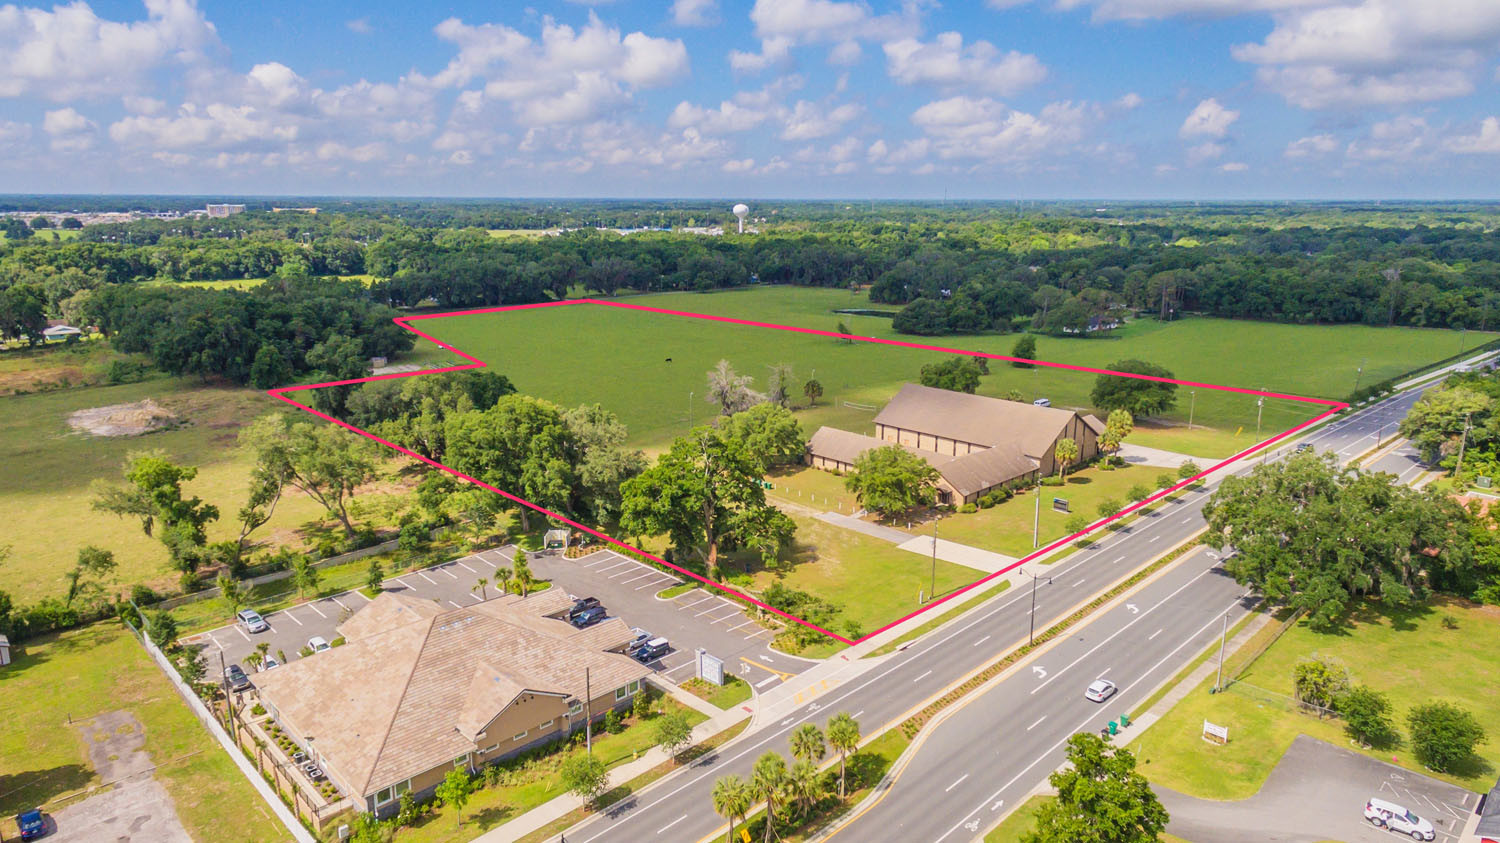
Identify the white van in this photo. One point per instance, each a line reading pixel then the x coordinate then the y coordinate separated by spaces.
pixel 1389 815
pixel 1043 402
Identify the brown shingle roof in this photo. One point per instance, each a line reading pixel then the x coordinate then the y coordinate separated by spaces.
pixel 1094 423
pixel 396 702
pixel 967 474
pixel 975 418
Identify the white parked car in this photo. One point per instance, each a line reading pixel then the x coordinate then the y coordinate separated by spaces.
pixel 1389 815
pixel 269 663
pixel 1099 690
pixel 252 621
pixel 317 644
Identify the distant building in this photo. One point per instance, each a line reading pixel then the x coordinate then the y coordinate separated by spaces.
pixel 976 443
pixel 60 332
pixel 224 210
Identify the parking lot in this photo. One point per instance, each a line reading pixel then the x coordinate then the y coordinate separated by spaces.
pixel 626 588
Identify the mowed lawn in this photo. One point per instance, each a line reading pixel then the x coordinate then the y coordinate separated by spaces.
pixel 871 580
pixel 48 468
pixel 87 672
pixel 651 368
pixel 1408 655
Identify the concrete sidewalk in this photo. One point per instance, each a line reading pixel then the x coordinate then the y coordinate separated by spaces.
pixel 1141 455
pixel 555 809
pixel 958 554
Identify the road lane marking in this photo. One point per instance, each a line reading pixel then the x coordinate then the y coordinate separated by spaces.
pixel 980 641
pixel 858 713
pixel 672 823
pixel 923 676
pixel 1101 676
pixel 1037 723
pixel 1156 633
pixel 1121 630
pixel 1076 584
pixel 1121 559
pixel 768 680
pixel 782 674
pixel 1154 538
pixel 957 783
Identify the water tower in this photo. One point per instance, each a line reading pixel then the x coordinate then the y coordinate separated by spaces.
pixel 742 210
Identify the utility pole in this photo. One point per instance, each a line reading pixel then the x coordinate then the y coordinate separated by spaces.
pixel 588 713
pixel 1223 636
pixel 1192 405
pixel 932 590
pixel 1358 372
pixel 228 700
pixel 1461 333
pixel 690 410
pixel 1458 469
pixel 1260 404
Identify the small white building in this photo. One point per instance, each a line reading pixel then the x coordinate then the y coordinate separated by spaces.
pixel 60 332
pixel 224 210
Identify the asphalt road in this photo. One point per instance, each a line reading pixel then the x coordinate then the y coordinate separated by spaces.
pixel 966 775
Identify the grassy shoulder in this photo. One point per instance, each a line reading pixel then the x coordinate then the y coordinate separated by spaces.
pixel 1409 655
pixel 57 682
pixel 890 646
pixel 527 783
pixel 733 692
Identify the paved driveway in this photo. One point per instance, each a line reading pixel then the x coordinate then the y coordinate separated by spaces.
pixel 626 588
pixel 1318 792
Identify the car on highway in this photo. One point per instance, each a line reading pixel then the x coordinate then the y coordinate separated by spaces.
pixel 587 617
pixel 652 650
pixel 318 644
pixel 235 676
pixel 32 824
pixel 1305 448
pixel 252 621
pixel 581 605
pixel 1099 690
pixel 1389 815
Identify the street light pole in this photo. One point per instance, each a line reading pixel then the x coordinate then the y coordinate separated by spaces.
pixel 1192 404
pixel 1031 635
pixel 1036 520
pixel 932 589
pixel 1458 469
pixel 1223 636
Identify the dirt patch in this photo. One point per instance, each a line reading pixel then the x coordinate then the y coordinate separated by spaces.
pixel 38 380
pixel 135 419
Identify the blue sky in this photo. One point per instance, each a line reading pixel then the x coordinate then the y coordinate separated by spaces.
pixel 771 98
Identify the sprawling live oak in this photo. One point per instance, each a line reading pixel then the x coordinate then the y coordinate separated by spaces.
pixel 1317 536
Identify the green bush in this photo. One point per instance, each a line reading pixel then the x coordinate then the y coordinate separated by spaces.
pixel 1443 735
pixel 1052 481
pixel 968 508
pixel 614 722
pixel 257 710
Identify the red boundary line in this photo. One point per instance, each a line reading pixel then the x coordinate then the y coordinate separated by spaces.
pixel 475 363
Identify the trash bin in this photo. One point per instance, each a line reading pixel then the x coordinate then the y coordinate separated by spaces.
pixel 1114 728
pixel 1124 721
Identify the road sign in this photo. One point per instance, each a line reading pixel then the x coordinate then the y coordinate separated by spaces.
pixel 1060 505
pixel 710 668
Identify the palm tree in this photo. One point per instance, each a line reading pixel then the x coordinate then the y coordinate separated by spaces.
pixel 523 577
pixel 732 798
pixel 807 743
pixel 769 781
pixel 482 585
pixel 262 649
pixel 502 579
pixel 843 736
pixel 1066 451
pixel 254 660
pixel 804 785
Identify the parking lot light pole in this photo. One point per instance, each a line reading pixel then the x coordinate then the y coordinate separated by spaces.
pixel 588 714
pixel 1036 519
pixel 932 590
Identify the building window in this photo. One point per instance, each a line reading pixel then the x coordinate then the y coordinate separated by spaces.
pixel 519 736
pixel 621 693
pixel 489 749
pixel 634 687
pixel 461 761
pixel 575 707
pixel 383 797
pixel 545 726
pixel 392 793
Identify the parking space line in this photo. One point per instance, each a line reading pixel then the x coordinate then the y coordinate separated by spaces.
pixel 616 565
pixel 746 623
pixel 444 569
pixel 639 577
pixel 599 561
pixel 729 617
pixel 476 597
pixel 288 614
pixel 314 607
pixel 695 602
pixel 361 594
pixel 341 604
pixel 649 584
pixel 625 573
pixel 706 611
pixel 424 576
pixel 241 632
pixel 399 582
pixel 465 567
pixel 455 605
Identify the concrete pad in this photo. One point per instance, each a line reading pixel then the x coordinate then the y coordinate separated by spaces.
pixel 138 810
pixel 1141 455
pixel 959 554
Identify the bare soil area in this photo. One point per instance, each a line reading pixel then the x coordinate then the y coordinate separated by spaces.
pixel 135 419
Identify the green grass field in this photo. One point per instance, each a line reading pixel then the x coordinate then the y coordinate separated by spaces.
pixel 1408 655
pixel 48 469
pixel 87 672
pixel 619 358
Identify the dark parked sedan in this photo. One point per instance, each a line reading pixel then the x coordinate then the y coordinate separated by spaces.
pixel 236 678
pixel 588 617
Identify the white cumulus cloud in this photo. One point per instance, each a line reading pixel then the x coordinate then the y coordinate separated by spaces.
pixel 1208 119
pixel 945 62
